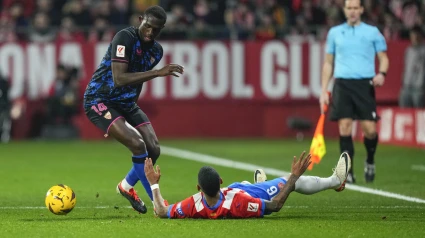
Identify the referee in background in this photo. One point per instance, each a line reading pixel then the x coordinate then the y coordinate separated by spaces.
pixel 351 48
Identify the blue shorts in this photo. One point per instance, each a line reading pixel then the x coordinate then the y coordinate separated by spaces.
pixel 265 190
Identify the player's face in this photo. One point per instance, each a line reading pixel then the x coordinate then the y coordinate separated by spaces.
pixel 353 10
pixel 150 27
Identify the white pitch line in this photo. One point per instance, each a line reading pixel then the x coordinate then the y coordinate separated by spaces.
pixel 189 155
pixel 418 167
pixel 292 207
pixel 97 207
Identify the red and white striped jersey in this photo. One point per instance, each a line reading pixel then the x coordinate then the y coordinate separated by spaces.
pixel 233 203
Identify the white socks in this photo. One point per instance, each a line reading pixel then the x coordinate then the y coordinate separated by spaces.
pixel 125 185
pixel 312 184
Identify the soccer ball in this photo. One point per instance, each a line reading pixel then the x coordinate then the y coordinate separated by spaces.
pixel 60 199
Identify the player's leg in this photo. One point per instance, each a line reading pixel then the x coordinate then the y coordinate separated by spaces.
pixel 342 111
pixel 365 110
pixel 139 120
pixel 110 120
pixel 305 184
pixel 131 138
pixel 151 140
pixel 313 184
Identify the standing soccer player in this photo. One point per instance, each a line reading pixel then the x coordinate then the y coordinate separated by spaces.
pixel 111 95
pixel 352 47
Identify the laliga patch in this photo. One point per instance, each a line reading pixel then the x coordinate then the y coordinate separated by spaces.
pixel 120 51
pixel 252 207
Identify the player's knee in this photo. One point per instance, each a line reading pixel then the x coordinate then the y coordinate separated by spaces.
pixel 345 129
pixel 369 130
pixel 137 146
pixel 370 134
pixel 155 151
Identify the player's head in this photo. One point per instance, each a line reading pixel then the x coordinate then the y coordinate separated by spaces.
pixel 353 9
pixel 209 181
pixel 151 23
pixel 416 35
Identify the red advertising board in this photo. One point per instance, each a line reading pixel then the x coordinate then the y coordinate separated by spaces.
pixel 271 71
pixel 229 89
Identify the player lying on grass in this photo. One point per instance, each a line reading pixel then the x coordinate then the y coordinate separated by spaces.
pixel 245 200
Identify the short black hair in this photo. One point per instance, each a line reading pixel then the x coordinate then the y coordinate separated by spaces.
pixel 157 12
pixel 418 30
pixel 361 3
pixel 209 181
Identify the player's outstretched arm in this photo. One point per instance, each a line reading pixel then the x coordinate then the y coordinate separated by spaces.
pixel 298 168
pixel 123 78
pixel 153 178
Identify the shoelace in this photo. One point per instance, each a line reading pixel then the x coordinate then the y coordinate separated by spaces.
pixel 133 194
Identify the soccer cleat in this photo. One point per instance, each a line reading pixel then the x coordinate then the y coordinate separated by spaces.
pixel 133 198
pixel 369 172
pixel 341 170
pixel 259 176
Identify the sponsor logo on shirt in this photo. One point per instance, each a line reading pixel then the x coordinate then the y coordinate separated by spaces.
pixel 252 207
pixel 179 209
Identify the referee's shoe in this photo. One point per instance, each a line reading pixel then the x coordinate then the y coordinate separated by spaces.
pixel 369 172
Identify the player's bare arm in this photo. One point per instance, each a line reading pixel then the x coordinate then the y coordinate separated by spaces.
pixel 123 78
pixel 326 76
pixel 298 168
pixel 384 64
pixel 153 178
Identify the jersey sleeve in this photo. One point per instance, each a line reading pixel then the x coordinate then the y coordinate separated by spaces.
pixel 245 206
pixel 330 42
pixel 122 44
pixel 379 42
pixel 181 209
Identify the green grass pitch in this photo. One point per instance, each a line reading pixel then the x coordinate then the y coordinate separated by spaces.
pixel 93 169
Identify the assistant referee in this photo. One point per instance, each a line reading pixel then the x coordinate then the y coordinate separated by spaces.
pixel 351 48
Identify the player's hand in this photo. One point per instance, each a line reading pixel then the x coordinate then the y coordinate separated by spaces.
pixel 324 101
pixel 152 175
pixel 171 69
pixel 378 80
pixel 299 166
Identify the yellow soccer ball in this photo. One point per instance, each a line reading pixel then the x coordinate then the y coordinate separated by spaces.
pixel 60 199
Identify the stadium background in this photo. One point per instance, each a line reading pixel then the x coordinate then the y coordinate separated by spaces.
pixel 252 67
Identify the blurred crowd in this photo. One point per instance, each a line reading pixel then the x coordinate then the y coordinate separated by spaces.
pixel 98 20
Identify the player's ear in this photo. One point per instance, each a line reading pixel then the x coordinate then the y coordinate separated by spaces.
pixel 221 181
pixel 140 18
pixel 198 187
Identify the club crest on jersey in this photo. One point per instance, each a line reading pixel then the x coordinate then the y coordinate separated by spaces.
pixel 252 207
pixel 120 51
pixel 108 116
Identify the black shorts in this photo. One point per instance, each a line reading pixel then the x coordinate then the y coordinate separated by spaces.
pixel 353 99
pixel 103 115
